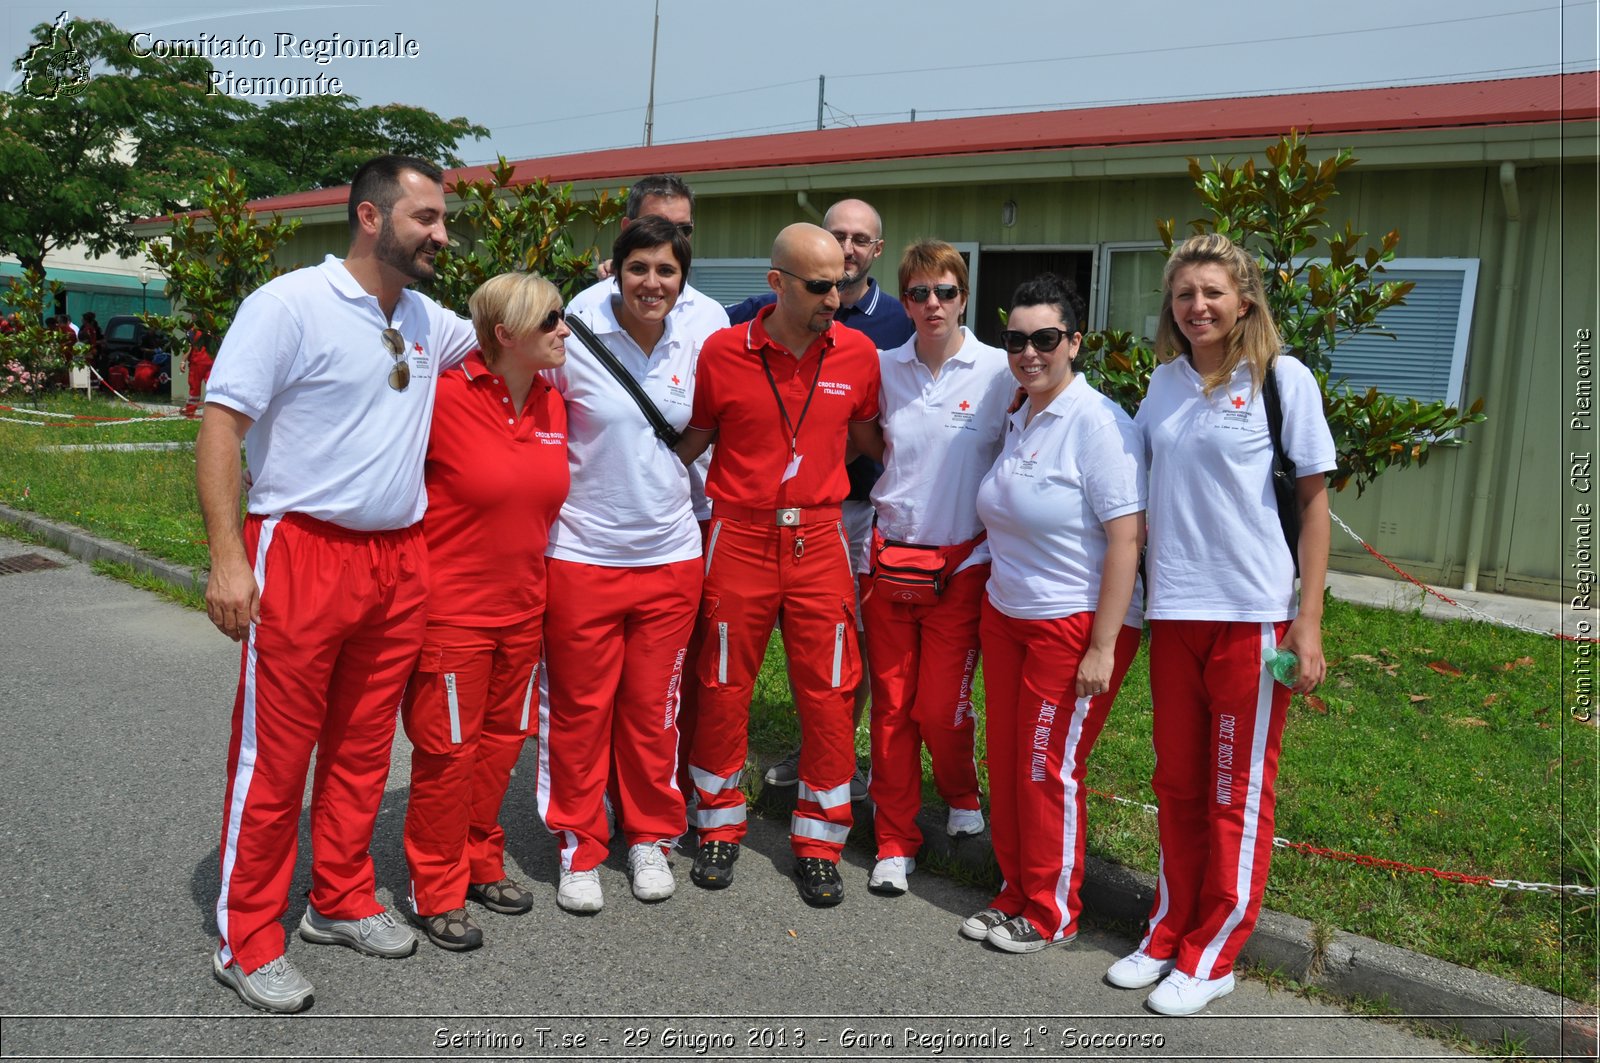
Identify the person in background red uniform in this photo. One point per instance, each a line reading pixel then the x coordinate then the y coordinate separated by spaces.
pixel 497 474
pixel 198 362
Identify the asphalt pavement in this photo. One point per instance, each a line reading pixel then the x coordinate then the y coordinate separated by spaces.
pixel 114 708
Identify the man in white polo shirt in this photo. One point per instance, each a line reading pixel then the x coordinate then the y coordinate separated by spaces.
pixel 327 377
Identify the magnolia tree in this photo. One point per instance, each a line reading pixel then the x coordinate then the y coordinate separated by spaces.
pixel 215 257
pixel 1278 213
pixel 523 228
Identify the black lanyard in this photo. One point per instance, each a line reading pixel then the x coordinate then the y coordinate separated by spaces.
pixel 793 427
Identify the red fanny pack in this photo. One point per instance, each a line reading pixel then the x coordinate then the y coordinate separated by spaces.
pixel 913 574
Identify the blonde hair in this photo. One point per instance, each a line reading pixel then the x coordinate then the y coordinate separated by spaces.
pixel 1254 339
pixel 519 301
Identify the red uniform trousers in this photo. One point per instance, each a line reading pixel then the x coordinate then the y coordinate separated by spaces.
pixel 799 576
pixel 922 662
pixel 1218 726
pixel 687 704
pixel 468 710
pixel 342 615
pixel 615 672
pixel 1039 735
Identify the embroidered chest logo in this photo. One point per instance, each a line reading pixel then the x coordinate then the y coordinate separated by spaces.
pixel 960 418
pixel 829 387
pixel 675 380
pixel 1238 401
pixel 965 406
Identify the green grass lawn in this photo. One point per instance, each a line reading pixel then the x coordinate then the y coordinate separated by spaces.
pixel 1435 744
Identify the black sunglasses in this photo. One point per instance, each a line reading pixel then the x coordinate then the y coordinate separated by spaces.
pixel 918 293
pixel 815 287
pixel 1044 341
pixel 686 228
pixel 400 372
pixel 552 320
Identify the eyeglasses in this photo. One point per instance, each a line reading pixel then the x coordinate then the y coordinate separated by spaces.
pixel 686 228
pixel 395 344
pixel 859 239
pixel 918 293
pixel 815 287
pixel 1044 341
pixel 553 320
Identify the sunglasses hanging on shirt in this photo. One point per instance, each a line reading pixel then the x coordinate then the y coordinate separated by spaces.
pixel 400 373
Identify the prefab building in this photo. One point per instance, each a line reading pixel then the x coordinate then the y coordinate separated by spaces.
pixel 1491 184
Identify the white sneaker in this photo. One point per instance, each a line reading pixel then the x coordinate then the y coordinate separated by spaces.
pixel 1184 994
pixel 651 874
pixel 580 891
pixel 964 821
pixel 889 875
pixel 1139 969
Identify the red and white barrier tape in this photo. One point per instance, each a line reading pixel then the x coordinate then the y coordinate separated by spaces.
pixel 1394 865
pixel 1479 613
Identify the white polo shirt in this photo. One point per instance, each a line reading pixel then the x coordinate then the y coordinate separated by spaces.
pixel 940 437
pixel 305 360
pixel 1216 550
pixel 629 505
pixel 1058 480
pixel 695 316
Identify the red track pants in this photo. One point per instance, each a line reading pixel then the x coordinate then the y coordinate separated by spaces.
pixel 467 712
pixel 800 577
pixel 922 662
pixel 616 667
pixel 342 615
pixel 1218 727
pixel 1040 734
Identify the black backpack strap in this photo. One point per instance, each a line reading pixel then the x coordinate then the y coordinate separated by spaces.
pixel 1285 485
pixel 664 431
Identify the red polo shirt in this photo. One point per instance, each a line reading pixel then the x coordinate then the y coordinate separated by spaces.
pixel 496 480
pixel 734 396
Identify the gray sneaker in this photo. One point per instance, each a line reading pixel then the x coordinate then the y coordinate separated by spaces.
pixel 274 986
pixel 376 935
pixel 786 772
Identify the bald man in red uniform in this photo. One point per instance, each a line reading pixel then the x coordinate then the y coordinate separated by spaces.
pixel 781 395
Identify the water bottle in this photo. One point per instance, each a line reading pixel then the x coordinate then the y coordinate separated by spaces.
pixel 1283 664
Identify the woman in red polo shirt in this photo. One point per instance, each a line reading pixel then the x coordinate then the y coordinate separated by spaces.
pixel 624 563
pixel 496 475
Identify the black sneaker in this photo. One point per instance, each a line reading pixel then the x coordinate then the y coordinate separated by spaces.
pixel 713 865
pixel 820 883
pixel 453 930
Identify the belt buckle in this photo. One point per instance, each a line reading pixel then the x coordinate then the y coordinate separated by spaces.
pixel 788 518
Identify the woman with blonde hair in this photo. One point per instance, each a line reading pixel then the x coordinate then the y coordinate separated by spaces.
pixel 496 475
pixel 1221 607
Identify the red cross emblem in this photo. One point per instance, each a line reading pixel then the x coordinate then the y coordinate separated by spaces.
pixel 965 405
pixel 1238 401
pixel 674 380
pixel 417 347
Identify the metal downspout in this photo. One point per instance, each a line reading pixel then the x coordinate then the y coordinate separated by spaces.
pixel 1510 252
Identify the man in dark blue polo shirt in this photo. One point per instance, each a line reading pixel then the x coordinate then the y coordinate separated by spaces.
pixel 866 307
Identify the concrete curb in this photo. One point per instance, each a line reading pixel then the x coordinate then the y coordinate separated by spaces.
pixel 86 547
pixel 1436 993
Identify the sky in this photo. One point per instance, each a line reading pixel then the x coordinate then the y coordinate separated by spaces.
pixel 555 78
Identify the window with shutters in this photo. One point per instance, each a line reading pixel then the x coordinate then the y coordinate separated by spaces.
pixel 729 280
pixel 1425 357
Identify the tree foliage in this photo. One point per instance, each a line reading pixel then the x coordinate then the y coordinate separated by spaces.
pixel 503 228
pixel 213 259
pixel 1278 212
pixel 81 158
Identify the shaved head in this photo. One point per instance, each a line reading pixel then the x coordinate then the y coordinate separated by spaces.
pixel 802 242
pixel 803 252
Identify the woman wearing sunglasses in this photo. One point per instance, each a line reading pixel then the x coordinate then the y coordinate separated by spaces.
pixel 496 474
pixel 943 401
pixel 1222 599
pixel 625 574
pixel 1064 508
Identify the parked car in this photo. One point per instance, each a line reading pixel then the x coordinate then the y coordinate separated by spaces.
pixel 124 334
